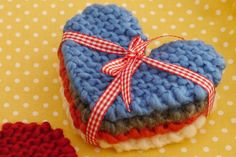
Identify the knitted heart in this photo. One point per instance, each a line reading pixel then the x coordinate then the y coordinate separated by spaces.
pixel 152 89
pixel 38 140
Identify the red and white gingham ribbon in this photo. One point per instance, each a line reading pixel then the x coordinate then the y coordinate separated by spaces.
pixel 122 70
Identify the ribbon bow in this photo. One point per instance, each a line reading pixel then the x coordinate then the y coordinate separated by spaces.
pixel 122 70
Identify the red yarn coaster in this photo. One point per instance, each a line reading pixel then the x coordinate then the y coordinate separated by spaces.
pixel 34 140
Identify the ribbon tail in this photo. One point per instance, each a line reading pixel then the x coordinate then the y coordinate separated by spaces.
pixel 100 108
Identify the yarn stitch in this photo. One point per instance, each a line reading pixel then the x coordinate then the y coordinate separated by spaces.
pixel 152 89
pixel 27 140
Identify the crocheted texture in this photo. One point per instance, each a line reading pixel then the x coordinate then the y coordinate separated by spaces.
pixel 27 140
pixel 152 89
pixel 75 115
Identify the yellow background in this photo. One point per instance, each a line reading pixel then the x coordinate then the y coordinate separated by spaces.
pixel 30 32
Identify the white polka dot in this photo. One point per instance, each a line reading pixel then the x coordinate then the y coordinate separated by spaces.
pixel 170 13
pixel 17 20
pixel 225 44
pixel 35 65
pixel 206 149
pixel 203 31
pixel 9 27
pixel 9 13
pixel 142 5
pixel 70 5
pixel 45 72
pixel 36 80
pixel 17 80
pixel 202 131
pixel 152 12
pixel 189 11
pixel 35 19
pixel 223 1
pixel 8 42
pixel 18 6
pixel 230 61
pixel 218 12
pixel 26 12
pixel 45 89
pixel 7 89
pixel 1 7
pixel 8 72
pixel 211 122
pixel 144 19
pixel 181 19
pixel 62 12
pixel 173 26
pixel 45 105
pixel 36 49
pixel 17 34
pixel 197 2
pixel 65 122
pixel 35 35
pixel 26 57
pixel 193 140
pixel 35 97
pixel 35 5
pixel 54 49
pixel 206 6
pixel 55 113
pixel 97 150
pixel 26 72
pixel 162 20
pixel 160 6
pixel 25 105
pixel 53 19
pixel 229 103
pixel 55 81
pixel 5 120
pixel 215 39
pixel 231 32
pixel 54 34
pixel 44 27
pixel 234 77
pixel 44 12
pixel 16 97
pixel 222 29
pixel 162 150
pixel 184 150
pixel 228 147
pixel 233 120
pixel 220 113
pixel 215 139
pixel 55 97
pixel 26 27
pixel 25 121
pixel 26 88
pixel 226 87
pixel 184 33
pixel 53 5
pixel 35 113
pixel 178 5
pixel 6 105
pixel 15 113
pixel 211 23
pixel 224 130
pixel 230 18
pixel 200 18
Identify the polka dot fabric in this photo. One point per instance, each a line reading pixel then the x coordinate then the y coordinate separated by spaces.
pixel 30 33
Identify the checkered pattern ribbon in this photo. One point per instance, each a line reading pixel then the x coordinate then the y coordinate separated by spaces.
pixel 122 70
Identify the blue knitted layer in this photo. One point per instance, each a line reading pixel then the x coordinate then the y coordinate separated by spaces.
pixel 152 89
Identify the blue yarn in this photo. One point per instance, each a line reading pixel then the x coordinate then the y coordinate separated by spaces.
pixel 152 89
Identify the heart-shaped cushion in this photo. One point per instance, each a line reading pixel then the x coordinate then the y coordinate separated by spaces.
pixel 152 89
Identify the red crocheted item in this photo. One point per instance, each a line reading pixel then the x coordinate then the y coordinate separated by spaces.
pixel 34 140
pixel 133 133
